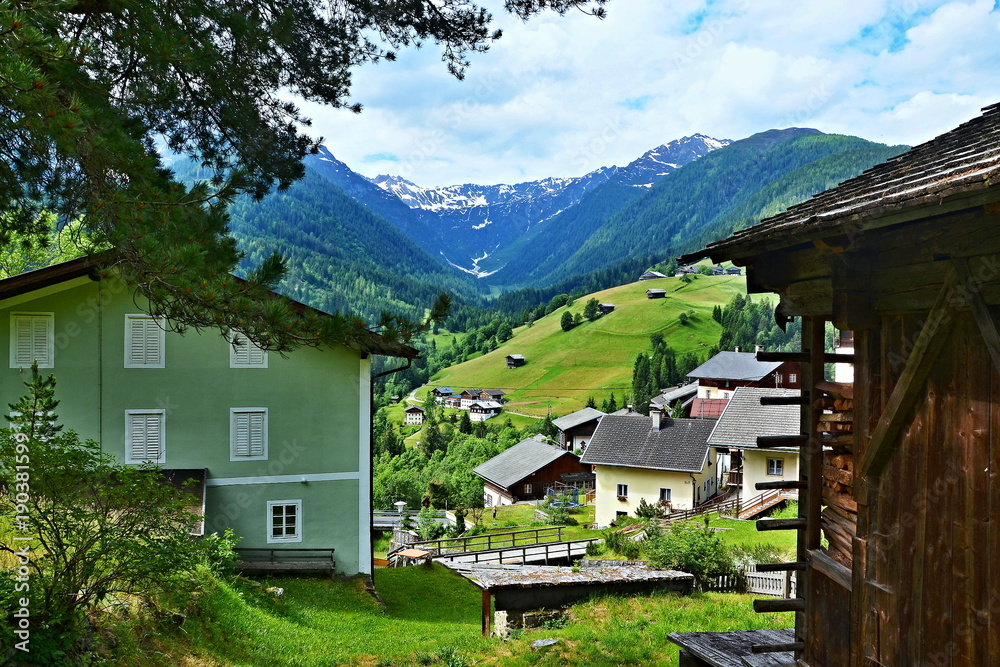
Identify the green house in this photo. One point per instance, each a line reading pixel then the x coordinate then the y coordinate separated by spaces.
pixel 280 444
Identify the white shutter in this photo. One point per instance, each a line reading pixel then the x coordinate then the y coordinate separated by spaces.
pixel 31 340
pixel 144 342
pixel 244 354
pixel 144 434
pixel 249 433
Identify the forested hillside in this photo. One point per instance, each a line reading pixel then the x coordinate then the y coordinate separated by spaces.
pixel 727 189
pixel 340 255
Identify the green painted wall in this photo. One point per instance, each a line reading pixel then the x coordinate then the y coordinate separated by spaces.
pixel 313 398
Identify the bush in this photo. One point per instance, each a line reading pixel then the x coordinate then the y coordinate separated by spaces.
pixel 595 549
pixel 649 510
pixel 695 550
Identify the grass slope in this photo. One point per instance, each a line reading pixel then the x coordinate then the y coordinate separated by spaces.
pixel 431 617
pixel 596 358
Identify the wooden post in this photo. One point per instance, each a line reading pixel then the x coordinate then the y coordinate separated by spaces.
pixel 487 613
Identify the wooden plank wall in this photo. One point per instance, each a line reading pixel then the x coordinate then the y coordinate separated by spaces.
pixel 926 590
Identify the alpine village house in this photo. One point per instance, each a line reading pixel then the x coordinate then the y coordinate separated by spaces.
pixel 279 445
pixel 898 538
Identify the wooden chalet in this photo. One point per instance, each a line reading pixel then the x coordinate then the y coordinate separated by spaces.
pixel 900 471
pixel 527 471
pixel 516 360
pixel 605 308
pixel 656 294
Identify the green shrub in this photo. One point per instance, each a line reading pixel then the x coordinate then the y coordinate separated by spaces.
pixel 695 550
pixel 595 549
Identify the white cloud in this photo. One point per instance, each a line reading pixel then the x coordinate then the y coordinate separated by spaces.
pixel 549 99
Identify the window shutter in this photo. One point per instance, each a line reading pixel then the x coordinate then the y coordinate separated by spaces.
pixel 256 429
pixel 145 437
pixel 145 342
pixel 246 354
pixel 249 433
pixel 31 340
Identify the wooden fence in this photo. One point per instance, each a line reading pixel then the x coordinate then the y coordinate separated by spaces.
pixel 778 584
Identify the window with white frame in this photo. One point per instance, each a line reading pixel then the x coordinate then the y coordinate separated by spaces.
pixel 666 495
pixel 244 354
pixel 32 338
pixel 145 436
pixel 527 489
pixel 247 434
pixel 776 466
pixel 284 521
pixel 792 377
pixel 622 491
pixel 144 342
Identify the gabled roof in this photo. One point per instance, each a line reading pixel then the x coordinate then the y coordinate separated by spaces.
pixel 486 405
pixel 473 392
pixel 583 416
pixel 515 356
pixel 961 163
pixel 745 418
pixel 494 392
pixel 445 391
pixel 674 394
pixel 629 441
pixel 735 366
pixel 29 281
pixel 523 459
pixel 651 274
pixel 656 290
pixel 414 408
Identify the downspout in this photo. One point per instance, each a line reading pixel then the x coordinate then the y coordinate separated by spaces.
pixel 371 469
pixel 694 490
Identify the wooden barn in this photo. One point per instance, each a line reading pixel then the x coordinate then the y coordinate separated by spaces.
pixel 656 294
pixel 516 360
pixel 901 469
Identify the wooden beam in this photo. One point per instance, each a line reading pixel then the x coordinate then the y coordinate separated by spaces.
pixel 783 484
pixel 779 604
pixel 820 561
pixel 905 394
pixel 487 613
pixel 786 400
pixel 769 441
pixel 803 357
pixel 781 524
pixel 780 567
pixel 985 318
pixel 811 453
pixel 778 648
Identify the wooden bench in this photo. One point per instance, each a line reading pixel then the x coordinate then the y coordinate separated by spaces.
pixel 287 560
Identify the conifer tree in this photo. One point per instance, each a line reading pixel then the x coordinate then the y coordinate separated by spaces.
pixel 88 88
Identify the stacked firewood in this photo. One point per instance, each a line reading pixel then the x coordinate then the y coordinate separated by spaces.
pixel 840 516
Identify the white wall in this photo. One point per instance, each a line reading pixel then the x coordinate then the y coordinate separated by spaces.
pixel 755 469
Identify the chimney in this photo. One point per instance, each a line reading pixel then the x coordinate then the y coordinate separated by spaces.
pixel 758 349
pixel 654 414
pixel 737 349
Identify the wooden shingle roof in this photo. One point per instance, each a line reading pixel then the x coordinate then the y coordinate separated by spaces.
pixel 959 164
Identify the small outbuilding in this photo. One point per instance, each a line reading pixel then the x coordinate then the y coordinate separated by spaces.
pixel 516 360
pixel 605 308
pixel 656 294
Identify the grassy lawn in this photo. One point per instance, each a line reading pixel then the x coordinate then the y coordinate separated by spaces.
pixel 596 358
pixel 519 517
pixel 431 617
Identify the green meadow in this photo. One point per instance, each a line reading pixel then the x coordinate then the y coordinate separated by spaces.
pixel 596 358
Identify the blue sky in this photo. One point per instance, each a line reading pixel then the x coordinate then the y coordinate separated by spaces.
pixel 561 96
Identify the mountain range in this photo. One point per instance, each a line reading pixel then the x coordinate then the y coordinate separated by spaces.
pixel 385 243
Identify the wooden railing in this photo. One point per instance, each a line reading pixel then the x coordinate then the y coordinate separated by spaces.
pixel 491 541
pixel 544 552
